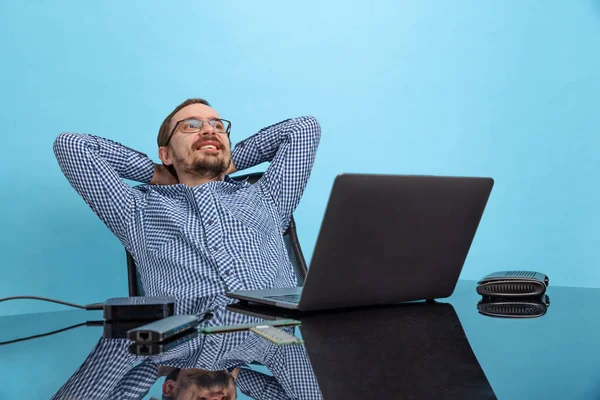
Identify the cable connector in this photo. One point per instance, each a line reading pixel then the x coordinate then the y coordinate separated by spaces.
pixel 95 306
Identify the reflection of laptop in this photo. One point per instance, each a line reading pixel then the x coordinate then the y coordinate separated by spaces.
pixel 386 239
pixel 410 351
pixel 407 351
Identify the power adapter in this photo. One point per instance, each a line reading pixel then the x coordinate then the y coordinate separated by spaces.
pixel 120 308
pixel 138 308
pixel 121 314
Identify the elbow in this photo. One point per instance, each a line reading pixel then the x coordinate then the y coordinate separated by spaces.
pixel 66 141
pixel 59 143
pixel 61 140
pixel 310 126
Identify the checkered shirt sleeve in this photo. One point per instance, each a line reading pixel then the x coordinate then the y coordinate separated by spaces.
pixel 95 168
pixel 291 147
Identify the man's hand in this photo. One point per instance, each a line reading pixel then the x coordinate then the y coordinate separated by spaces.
pixel 162 176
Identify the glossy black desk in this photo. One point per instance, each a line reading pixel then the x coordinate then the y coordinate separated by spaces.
pixel 409 351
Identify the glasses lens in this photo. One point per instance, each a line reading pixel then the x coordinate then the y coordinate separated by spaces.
pixel 219 125
pixel 191 125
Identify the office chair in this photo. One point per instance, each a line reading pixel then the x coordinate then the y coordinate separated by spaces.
pixel 290 239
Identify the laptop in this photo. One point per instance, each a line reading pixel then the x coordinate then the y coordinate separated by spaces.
pixel 386 239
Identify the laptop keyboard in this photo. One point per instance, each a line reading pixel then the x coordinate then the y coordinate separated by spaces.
pixel 290 298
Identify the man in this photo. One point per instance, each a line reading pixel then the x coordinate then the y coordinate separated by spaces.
pixel 199 384
pixel 192 230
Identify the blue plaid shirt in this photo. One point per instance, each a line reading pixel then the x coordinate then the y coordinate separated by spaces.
pixel 202 240
pixel 112 372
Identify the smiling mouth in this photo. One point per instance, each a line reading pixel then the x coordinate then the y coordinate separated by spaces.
pixel 209 148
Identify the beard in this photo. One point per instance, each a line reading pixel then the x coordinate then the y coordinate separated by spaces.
pixel 208 166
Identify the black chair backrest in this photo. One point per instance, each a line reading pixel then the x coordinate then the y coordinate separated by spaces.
pixel 290 239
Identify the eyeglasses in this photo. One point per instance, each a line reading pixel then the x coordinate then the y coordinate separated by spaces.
pixel 194 125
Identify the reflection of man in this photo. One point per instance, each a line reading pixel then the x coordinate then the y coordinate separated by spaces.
pixel 194 383
pixel 204 365
pixel 192 230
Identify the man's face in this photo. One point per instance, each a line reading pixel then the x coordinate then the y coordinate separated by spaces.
pixel 193 384
pixel 206 153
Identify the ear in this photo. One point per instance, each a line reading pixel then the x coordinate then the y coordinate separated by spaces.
pixel 167 387
pixel 165 155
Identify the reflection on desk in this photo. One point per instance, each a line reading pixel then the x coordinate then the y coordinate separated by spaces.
pixel 428 337
pixel 414 351
pixel 447 350
pixel 532 307
pixel 112 372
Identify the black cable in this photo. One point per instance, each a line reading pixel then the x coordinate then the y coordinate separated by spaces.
pixel 88 323
pixel 94 306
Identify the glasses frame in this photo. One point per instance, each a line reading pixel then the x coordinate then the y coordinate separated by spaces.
pixel 227 131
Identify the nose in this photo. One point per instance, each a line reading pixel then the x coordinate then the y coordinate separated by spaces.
pixel 207 129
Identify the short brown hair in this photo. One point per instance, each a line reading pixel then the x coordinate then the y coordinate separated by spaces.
pixel 163 132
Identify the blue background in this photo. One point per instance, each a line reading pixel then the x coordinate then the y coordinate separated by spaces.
pixel 507 89
pixel 501 89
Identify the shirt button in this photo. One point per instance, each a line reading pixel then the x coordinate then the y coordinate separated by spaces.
pixel 209 222
pixel 227 272
pixel 216 248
